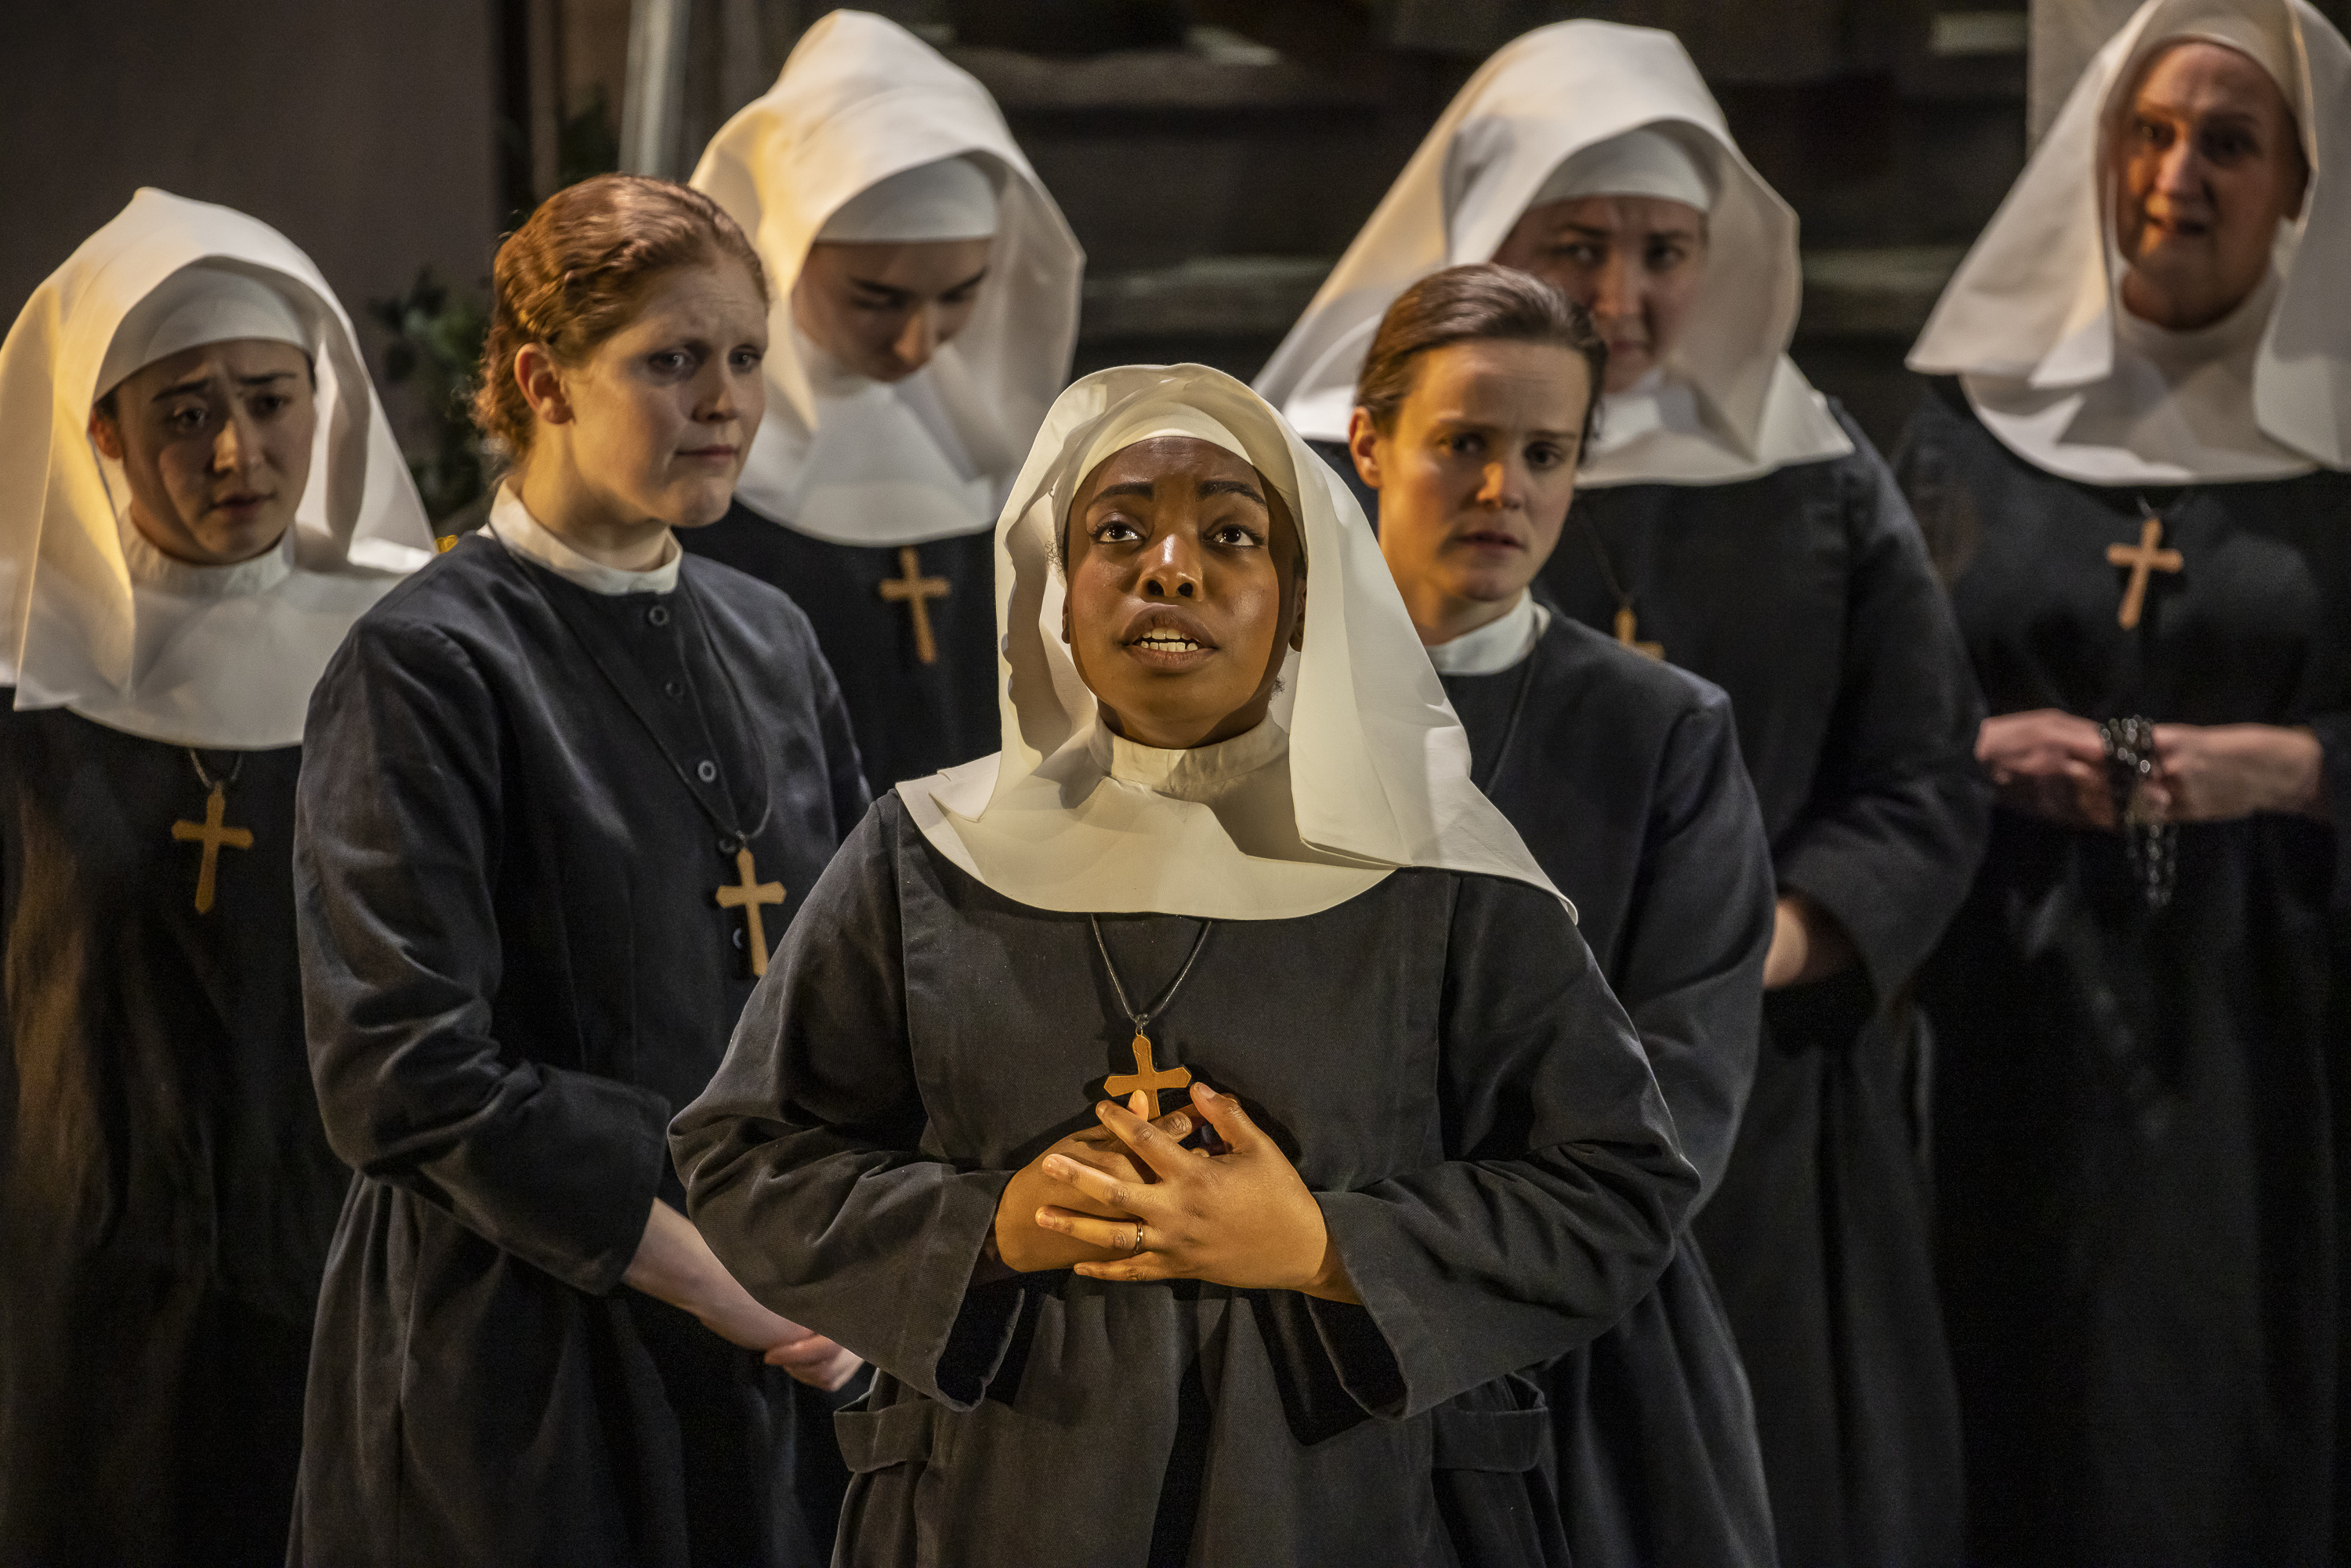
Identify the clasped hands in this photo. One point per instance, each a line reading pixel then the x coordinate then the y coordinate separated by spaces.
pixel 1129 1201
pixel 2052 764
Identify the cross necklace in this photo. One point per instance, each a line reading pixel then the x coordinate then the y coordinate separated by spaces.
pixel 1146 1079
pixel 747 893
pixel 2143 559
pixel 213 831
pixel 913 589
pixel 1627 626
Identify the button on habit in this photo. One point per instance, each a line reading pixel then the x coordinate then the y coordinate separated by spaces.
pixel 672 688
pixel 706 771
pixel 657 616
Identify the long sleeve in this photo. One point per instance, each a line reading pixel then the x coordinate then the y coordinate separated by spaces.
pixel 1691 969
pixel 1900 812
pixel 1557 1205
pixel 1549 1201
pixel 396 843
pixel 812 1129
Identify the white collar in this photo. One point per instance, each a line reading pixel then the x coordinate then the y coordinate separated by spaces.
pixel 1202 773
pixel 514 526
pixel 152 571
pixel 1497 645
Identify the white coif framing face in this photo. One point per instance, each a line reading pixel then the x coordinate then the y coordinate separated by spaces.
pixel 2050 332
pixel 1725 404
pixel 897 412
pixel 1360 768
pixel 103 621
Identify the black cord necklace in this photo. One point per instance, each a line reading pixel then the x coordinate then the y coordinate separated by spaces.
pixel 1146 1078
pixel 213 833
pixel 1628 625
pixel 747 893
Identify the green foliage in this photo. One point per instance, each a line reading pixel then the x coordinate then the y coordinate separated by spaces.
pixel 436 344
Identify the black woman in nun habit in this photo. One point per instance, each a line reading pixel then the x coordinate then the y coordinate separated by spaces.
pixel 200 495
pixel 1622 773
pixel 1733 522
pixel 926 306
pixel 1411 1144
pixel 565 788
pixel 2137 477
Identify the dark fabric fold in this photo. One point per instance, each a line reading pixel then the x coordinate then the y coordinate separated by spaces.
pixel 519 802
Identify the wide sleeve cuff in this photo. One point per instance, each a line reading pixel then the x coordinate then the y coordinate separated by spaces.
pixel 952 1355
pixel 566 1179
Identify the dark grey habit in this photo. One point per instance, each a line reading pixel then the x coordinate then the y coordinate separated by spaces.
pixel 1807 596
pixel 515 971
pixel 2135 1126
pixel 1438 1054
pixel 166 1191
pixel 1622 776
pixel 911 718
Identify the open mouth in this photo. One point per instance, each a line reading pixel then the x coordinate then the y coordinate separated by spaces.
pixel 1169 639
pixel 1166 642
pixel 1486 539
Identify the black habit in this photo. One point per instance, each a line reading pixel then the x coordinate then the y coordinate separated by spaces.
pixel 1807 596
pixel 924 1037
pixel 521 796
pixel 2135 1148
pixel 166 1191
pixel 911 718
pixel 1622 776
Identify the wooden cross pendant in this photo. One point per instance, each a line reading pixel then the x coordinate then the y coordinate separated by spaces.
pixel 914 591
pixel 1145 1078
pixel 1627 633
pixel 746 896
pixel 2141 561
pixel 212 834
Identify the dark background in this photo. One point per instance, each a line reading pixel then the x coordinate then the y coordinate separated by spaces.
pixel 1214 156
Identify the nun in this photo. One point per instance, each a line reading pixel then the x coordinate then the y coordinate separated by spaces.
pixel 1623 775
pixel 926 308
pixel 1230 849
pixel 1731 521
pixel 2135 465
pixel 565 786
pixel 199 494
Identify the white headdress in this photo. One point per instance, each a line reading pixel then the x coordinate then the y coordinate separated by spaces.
pixel 1538 117
pixel 869 134
pixel 1376 772
pixel 2071 382
pixel 97 620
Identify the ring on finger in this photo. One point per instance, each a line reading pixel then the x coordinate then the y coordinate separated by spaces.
pixel 1135 1244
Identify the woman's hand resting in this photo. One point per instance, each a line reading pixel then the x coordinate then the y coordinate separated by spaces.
pixel 1241 1217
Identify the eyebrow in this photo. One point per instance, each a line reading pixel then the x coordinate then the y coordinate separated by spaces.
pixel 1144 488
pixel 199 384
pixel 1587 232
pixel 894 292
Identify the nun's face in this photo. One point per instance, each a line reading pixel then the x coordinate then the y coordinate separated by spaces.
pixel 2206 164
pixel 648 431
pixel 1185 588
pixel 216 444
pixel 1634 262
pixel 883 311
pixel 1475 477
